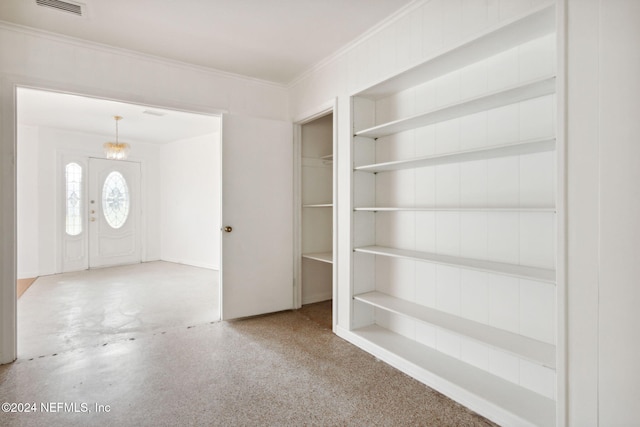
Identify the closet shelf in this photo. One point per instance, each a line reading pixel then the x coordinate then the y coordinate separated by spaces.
pixel 534 24
pixel 520 271
pixel 495 151
pixel 327 157
pixel 451 209
pixel 519 345
pixel 453 377
pixel 511 95
pixel 319 205
pixel 320 256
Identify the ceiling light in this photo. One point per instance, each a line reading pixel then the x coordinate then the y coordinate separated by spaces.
pixel 116 150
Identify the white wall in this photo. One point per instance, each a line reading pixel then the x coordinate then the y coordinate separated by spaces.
pixel 603 174
pixel 39 222
pixel 190 201
pixel 604 211
pixel 120 74
pixel 618 338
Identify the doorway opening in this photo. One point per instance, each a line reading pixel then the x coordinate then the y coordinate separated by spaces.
pixel 316 232
pixel 145 255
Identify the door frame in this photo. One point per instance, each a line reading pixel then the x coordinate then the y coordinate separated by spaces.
pixel 328 107
pixel 8 186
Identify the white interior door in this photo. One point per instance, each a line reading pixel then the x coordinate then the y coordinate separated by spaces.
pixel 257 212
pixel 114 212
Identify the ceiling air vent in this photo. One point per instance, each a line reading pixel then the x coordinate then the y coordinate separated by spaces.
pixel 64 6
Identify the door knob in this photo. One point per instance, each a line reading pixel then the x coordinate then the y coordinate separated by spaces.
pixel 228 229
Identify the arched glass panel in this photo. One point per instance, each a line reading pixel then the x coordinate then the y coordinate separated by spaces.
pixel 115 199
pixel 73 194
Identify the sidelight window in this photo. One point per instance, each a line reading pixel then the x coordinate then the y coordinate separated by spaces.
pixel 73 181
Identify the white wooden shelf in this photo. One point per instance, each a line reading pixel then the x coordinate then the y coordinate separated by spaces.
pixel 519 345
pixel 520 271
pixel 320 256
pixel 328 157
pixel 319 205
pixel 532 25
pixel 509 403
pixel 491 152
pixel 451 209
pixel 511 95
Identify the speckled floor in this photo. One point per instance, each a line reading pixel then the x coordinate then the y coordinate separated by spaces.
pixel 284 369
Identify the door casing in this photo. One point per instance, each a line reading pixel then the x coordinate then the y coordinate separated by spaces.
pixel 329 107
pixel 8 211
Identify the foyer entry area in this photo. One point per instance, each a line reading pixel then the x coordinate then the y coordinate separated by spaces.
pixel 94 308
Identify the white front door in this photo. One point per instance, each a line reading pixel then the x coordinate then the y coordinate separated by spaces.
pixel 114 212
pixel 257 216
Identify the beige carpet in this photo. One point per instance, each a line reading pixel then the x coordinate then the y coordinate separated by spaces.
pixel 285 369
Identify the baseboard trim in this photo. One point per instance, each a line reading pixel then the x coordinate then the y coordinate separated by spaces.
pixel 209 266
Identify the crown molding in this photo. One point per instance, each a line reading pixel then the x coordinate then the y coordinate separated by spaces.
pixel 75 41
pixel 389 20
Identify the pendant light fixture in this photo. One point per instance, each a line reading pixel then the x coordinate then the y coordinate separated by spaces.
pixel 116 150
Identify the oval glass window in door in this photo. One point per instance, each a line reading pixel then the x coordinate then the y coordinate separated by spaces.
pixel 115 199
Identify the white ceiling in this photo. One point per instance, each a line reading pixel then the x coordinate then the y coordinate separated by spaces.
pixel 274 40
pixel 95 116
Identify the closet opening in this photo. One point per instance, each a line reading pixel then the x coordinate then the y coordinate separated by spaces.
pixel 316 221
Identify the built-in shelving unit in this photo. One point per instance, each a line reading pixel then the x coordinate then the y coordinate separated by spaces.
pixel 455 221
pixel 316 273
